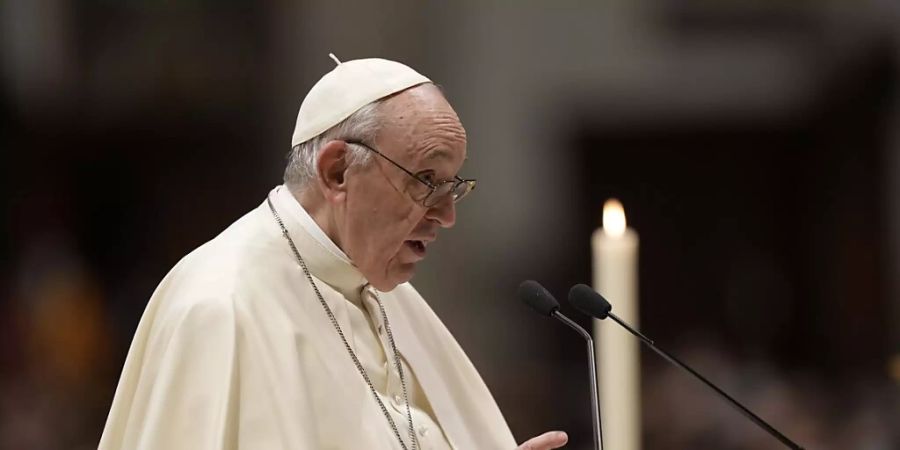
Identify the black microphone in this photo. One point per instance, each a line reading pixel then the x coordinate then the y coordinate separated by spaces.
pixel 588 301
pixel 535 296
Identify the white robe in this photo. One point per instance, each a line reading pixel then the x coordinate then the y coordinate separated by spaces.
pixel 235 351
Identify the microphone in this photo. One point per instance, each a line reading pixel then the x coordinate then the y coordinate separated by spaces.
pixel 588 301
pixel 536 296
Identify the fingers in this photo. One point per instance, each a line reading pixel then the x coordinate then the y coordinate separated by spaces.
pixel 546 441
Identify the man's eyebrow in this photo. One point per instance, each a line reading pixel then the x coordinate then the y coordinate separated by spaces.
pixel 438 153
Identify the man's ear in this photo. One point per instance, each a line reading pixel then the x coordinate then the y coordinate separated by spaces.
pixel 332 166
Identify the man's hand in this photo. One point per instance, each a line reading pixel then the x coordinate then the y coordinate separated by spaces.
pixel 546 441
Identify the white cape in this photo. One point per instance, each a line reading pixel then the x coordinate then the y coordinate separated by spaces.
pixel 235 351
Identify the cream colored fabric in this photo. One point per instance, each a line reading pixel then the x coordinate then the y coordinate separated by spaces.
pixel 370 342
pixel 234 351
pixel 287 205
pixel 348 87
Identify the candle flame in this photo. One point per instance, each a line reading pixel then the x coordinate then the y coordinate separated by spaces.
pixel 614 218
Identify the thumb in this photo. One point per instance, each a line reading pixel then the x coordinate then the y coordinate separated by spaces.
pixel 546 441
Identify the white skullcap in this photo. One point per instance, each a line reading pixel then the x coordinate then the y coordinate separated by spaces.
pixel 350 86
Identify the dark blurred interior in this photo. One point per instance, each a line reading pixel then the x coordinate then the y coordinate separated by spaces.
pixel 755 146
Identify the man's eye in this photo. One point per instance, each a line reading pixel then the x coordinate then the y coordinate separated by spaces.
pixel 428 177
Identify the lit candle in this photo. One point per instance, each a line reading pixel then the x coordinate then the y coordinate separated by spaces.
pixel 615 255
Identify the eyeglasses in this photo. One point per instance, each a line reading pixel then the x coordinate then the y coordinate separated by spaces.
pixel 457 187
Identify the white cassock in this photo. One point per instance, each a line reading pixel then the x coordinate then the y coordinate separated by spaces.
pixel 235 351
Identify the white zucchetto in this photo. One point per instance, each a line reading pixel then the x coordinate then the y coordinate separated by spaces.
pixel 347 88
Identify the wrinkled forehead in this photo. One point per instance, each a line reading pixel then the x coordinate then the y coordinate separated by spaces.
pixel 421 122
pixel 442 155
pixel 438 143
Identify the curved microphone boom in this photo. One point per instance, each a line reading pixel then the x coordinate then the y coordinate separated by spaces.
pixel 536 296
pixel 588 301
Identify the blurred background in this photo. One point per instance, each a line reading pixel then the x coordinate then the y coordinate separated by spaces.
pixel 755 146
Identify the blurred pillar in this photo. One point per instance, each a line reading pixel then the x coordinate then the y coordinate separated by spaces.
pixel 892 199
pixel 36 54
pixel 892 207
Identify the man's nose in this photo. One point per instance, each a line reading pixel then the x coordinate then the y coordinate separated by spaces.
pixel 443 212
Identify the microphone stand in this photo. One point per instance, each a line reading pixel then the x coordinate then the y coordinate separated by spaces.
pixel 595 399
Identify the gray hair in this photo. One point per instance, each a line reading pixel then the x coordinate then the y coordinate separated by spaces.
pixel 362 125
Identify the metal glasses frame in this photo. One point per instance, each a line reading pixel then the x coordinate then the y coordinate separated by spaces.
pixel 430 199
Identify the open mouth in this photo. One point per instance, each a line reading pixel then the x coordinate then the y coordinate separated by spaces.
pixel 418 247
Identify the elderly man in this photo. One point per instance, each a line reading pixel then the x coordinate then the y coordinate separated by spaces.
pixel 295 328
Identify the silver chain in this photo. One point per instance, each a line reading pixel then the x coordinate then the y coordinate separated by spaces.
pixel 337 327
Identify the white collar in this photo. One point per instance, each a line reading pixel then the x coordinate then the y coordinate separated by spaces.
pixel 286 201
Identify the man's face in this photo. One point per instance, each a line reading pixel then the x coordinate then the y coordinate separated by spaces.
pixel 384 228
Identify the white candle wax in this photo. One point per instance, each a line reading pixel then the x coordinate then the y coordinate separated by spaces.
pixel 615 257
